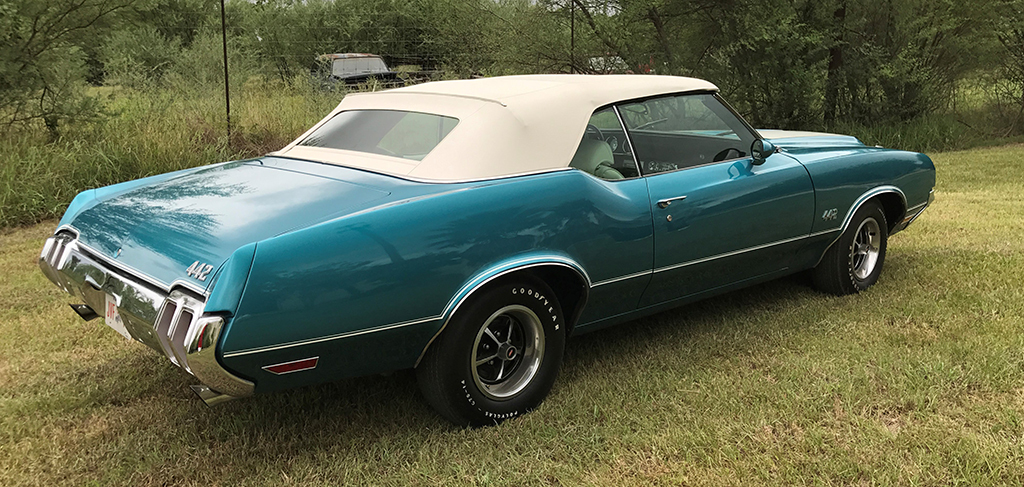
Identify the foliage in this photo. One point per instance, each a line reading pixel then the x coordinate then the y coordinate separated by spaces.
pixel 137 57
pixel 287 36
pixel 179 21
pixel 775 71
pixel 1009 87
pixel 150 132
pixel 910 74
pixel 42 67
pixel 901 62
pixel 808 63
pixel 784 63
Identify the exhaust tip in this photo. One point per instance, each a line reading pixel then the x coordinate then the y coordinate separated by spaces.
pixel 85 312
pixel 210 396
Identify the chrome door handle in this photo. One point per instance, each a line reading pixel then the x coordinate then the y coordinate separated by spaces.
pixel 664 203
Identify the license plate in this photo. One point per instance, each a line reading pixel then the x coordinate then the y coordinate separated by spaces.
pixel 113 318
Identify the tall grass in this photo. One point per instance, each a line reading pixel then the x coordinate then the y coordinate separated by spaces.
pixel 149 132
pixel 975 116
pixel 930 133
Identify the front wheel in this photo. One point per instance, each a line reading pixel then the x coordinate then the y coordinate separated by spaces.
pixel 498 356
pixel 854 262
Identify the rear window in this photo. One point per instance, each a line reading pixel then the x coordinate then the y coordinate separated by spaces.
pixel 409 135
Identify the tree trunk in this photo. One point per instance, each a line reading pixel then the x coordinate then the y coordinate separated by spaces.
pixel 603 36
pixel 835 67
pixel 659 29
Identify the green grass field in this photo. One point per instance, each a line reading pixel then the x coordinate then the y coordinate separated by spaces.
pixel 918 381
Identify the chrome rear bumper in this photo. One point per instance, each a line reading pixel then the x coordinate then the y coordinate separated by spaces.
pixel 169 322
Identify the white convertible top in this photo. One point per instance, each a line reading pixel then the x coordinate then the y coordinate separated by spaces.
pixel 508 125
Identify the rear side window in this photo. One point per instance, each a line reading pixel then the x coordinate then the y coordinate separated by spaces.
pixel 604 150
pixel 409 135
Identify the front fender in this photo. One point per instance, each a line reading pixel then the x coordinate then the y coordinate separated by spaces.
pixel 844 179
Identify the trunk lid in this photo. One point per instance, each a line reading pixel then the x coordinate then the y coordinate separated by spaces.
pixel 161 229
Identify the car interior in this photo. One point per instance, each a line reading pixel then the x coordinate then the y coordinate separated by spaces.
pixel 668 133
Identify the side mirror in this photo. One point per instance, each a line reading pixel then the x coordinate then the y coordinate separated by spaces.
pixel 760 150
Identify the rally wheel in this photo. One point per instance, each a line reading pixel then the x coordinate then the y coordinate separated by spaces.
pixel 498 356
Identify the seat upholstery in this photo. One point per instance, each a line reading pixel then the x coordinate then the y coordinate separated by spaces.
pixel 595 157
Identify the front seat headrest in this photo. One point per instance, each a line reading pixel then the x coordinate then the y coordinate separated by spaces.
pixel 595 157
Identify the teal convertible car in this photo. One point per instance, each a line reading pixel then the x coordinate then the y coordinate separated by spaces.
pixel 467 228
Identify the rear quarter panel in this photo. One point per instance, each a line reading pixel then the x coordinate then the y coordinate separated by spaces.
pixel 368 291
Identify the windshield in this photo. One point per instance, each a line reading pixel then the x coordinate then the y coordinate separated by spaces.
pixel 348 66
pixel 409 135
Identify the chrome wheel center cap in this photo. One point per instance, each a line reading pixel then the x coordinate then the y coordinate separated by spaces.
pixel 507 352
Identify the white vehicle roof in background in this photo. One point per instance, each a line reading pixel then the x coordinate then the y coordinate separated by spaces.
pixel 507 126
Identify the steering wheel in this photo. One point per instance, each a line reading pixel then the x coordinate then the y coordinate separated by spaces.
pixel 702 118
pixel 592 129
pixel 649 124
pixel 725 154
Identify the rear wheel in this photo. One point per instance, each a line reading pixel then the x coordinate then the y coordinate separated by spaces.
pixel 854 262
pixel 498 356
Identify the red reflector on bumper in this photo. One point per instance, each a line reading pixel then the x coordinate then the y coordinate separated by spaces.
pixel 293 366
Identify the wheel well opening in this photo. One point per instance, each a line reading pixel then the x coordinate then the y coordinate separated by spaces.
pixel 569 287
pixel 892 205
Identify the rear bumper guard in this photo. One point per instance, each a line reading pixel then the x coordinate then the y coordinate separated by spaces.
pixel 172 323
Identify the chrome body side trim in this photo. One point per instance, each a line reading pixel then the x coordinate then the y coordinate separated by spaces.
pixel 912 213
pixel 622 278
pixel 707 259
pixel 480 281
pixel 871 193
pixel 475 284
pixel 338 336
pixel 741 251
pixel 169 322
pixel 392 326
pixel 914 209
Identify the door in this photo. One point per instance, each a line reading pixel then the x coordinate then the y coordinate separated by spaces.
pixel 718 218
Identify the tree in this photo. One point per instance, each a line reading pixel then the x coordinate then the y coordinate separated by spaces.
pixel 1010 33
pixel 42 67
